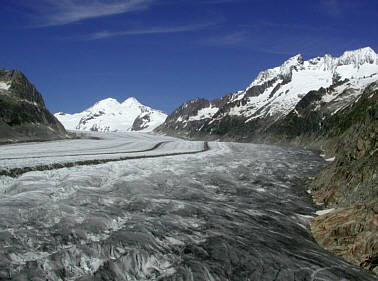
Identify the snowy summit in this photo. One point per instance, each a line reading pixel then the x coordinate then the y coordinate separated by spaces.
pixel 109 115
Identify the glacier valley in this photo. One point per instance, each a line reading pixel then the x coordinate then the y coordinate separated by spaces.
pixel 160 208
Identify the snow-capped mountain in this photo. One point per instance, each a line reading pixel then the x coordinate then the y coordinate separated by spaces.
pixel 109 115
pixel 275 93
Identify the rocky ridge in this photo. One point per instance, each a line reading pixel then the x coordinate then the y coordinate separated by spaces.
pixel 23 114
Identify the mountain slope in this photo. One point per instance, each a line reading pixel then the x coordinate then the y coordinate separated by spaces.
pixel 109 115
pixel 249 114
pixel 23 114
pixel 325 103
pixel 350 183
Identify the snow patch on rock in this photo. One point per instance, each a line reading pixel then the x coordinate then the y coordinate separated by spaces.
pixel 4 86
pixel 323 212
pixel 204 113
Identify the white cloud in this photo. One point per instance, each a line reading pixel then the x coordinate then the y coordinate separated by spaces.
pixel 218 1
pixel 61 12
pixel 152 30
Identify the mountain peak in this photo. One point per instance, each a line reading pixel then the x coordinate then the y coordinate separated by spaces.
pixel 359 57
pixel 296 60
pixel 131 101
pixel 327 63
pixel 110 115
pixel 284 70
pixel 107 101
pixel 287 67
pixel 104 105
pixel 361 51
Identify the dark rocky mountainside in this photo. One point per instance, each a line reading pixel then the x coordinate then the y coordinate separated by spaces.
pixel 352 139
pixel 23 115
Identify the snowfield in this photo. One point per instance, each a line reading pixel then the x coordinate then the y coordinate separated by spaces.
pixel 233 212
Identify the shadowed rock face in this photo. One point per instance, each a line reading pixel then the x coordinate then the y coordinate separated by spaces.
pixel 179 129
pixel 141 122
pixel 23 115
pixel 352 176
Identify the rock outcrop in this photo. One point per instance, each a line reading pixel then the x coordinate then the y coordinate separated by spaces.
pixel 23 114
pixel 351 233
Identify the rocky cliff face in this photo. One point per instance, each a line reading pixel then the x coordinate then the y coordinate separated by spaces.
pixel 350 184
pixel 352 141
pixel 23 115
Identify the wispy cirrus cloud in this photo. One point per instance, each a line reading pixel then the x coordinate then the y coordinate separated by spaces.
pixel 220 1
pixel 253 35
pixel 231 39
pixel 151 30
pixel 281 39
pixel 62 12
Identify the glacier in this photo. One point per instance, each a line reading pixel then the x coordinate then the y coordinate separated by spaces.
pixel 232 212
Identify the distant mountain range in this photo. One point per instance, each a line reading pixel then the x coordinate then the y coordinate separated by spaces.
pixel 266 109
pixel 109 115
pixel 23 114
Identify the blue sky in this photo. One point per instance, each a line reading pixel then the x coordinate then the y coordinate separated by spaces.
pixel 165 52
